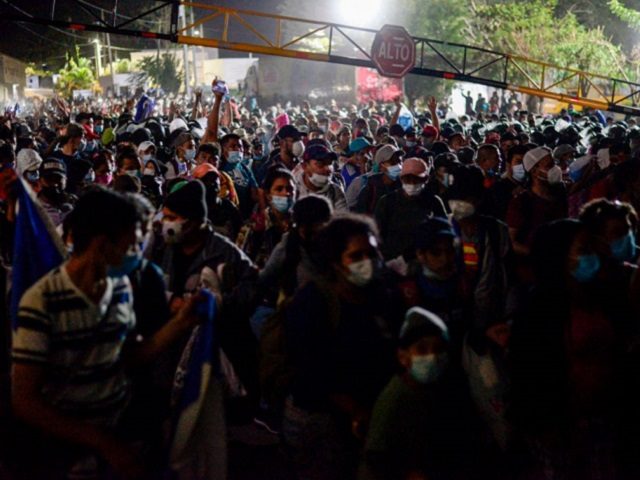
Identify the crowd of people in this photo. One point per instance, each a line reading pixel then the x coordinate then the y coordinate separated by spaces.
pixel 399 295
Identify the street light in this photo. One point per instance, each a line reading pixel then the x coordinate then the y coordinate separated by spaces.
pixel 360 12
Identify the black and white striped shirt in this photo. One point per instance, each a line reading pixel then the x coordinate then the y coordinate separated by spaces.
pixel 79 342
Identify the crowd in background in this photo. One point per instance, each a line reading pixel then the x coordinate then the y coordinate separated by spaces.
pixel 401 293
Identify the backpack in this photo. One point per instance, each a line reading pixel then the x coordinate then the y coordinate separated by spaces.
pixel 275 369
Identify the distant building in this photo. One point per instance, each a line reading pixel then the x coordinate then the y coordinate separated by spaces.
pixel 13 78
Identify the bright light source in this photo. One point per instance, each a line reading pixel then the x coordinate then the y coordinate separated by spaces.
pixel 360 13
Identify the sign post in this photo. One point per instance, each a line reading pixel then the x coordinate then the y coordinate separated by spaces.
pixel 393 51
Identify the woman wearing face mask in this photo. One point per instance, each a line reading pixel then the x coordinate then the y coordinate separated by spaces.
pixel 258 241
pixel 401 211
pixel 573 378
pixel 421 425
pixel 336 341
pixel 544 200
pixel 103 166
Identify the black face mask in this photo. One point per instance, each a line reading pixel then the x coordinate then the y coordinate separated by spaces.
pixel 54 194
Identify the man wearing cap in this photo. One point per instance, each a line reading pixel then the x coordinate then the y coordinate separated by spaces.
pixel 410 142
pixel 315 177
pixel 544 201
pixel 290 150
pixel 401 211
pixel 422 424
pixel 357 159
pixel 194 255
pixel 429 136
pixel 344 140
pixel 383 179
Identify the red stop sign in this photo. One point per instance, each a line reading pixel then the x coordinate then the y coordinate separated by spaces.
pixel 393 51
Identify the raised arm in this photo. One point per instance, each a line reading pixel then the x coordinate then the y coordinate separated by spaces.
pixel 433 109
pixel 211 135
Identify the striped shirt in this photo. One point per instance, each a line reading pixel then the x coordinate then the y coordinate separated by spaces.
pixel 79 342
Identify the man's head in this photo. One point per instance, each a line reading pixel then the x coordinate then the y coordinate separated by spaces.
pixel 184 212
pixel 488 159
pixel 539 164
pixel 422 345
pixel 232 149
pixel 360 150
pixel 467 192
pixel 287 137
pixel 435 242
pixel 104 224
pixel 185 147
pixel 317 165
pixel 128 162
pixel 414 176
pixel 53 178
pixel 388 160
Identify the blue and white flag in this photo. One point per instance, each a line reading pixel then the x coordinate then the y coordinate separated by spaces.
pixel 196 401
pixel 37 247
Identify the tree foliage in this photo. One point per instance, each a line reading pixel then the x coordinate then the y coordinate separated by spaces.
pixel 628 15
pixel 77 74
pixel 159 71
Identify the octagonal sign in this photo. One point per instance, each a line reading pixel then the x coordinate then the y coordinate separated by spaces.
pixel 393 51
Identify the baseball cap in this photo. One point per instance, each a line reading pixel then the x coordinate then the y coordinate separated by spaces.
pixel 318 152
pixel 533 156
pixel 561 150
pixel 54 165
pixel 430 230
pixel 419 323
pixel 358 145
pixel 414 166
pixel 429 131
pixel 144 146
pixel 384 154
pixel 288 131
pixel 204 168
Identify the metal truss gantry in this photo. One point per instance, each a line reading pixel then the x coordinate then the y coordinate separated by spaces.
pixel 305 39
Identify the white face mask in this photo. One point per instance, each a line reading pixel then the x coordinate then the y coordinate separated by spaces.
pixel 298 148
pixel 361 273
pixel 147 157
pixel 149 172
pixel 461 209
pixel 172 231
pixel 518 173
pixel 319 180
pixel 554 175
pixel 411 189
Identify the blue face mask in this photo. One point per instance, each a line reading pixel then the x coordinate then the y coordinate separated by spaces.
pixel 587 269
pixel 282 204
pixel 393 172
pixel 428 368
pixel 234 157
pixel 624 249
pixel 128 265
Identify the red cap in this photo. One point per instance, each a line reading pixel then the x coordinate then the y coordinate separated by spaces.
pixel 430 131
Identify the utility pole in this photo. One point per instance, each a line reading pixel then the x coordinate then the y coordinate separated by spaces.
pixel 194 32
pixel 185 56
pixel 110 57
pixel 98 59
